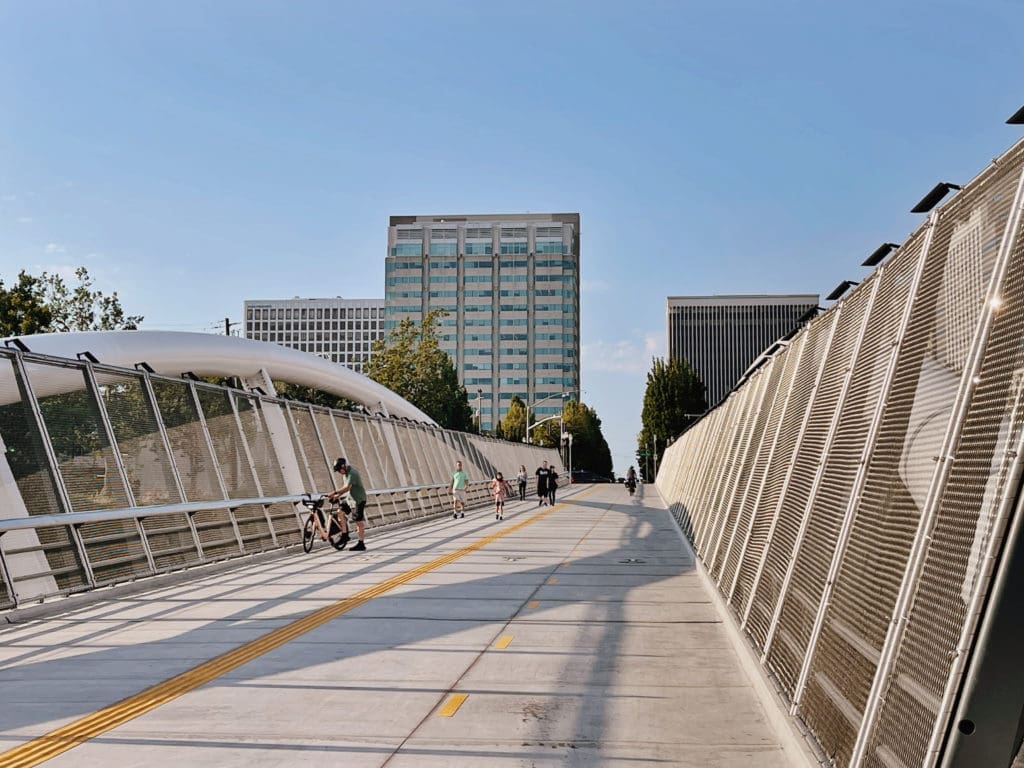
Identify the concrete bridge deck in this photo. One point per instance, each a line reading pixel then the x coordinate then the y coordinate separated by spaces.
pixel 579 634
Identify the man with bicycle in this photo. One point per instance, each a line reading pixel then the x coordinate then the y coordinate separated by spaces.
pixel 352 488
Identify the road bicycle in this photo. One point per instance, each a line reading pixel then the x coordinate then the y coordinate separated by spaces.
pixel 322 523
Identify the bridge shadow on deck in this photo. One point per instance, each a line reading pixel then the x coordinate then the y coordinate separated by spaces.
pixel 98 667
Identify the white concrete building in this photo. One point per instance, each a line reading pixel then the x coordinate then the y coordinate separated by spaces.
pixel 340 330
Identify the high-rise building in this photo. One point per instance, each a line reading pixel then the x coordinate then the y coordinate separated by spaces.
pixel 341 330
pixel 720 336
pixel 511 286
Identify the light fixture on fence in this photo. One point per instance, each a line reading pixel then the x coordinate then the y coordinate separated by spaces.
pixel 840 289
pixel 1017 118
pixel 932 199
pixel 880 253
pixel 17 344
pixel 808 315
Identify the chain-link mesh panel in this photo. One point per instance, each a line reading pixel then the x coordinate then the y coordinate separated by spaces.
pixel 227 443
pixel 216 533
pixel 261 446
pixel 307 437
pixel 61 553
pixel 253 527
pixel 372 476
pixel 23 447
pixel 170 541
pixel 146 462
pixel 390 479
pixel 752 471
pixel 349 444
pixel 759 505
pixel 742 441
pixel 191 452
pixel 787 509
pixel 957 562
pixel 84 454
pixel 734 413
pixel 845 655
pixel 285 522
pixel 800 602
pixel 329 436
pixel 6 598
pixel 114 549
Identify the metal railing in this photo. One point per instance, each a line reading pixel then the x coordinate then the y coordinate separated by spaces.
pixel 112 474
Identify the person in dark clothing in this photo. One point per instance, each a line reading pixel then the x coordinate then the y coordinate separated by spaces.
pixel 543 473
pixel 552 486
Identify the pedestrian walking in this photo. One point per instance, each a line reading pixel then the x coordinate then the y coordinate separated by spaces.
pixel 552 485
pixel 499 490
pixel 459 480
pixel 542 483
pixel 521 479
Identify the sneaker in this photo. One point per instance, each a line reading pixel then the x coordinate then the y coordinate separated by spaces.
pixel 455 515
pixel 360 547
pixel 344 539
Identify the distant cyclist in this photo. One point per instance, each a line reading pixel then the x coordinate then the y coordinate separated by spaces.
pixel 631 480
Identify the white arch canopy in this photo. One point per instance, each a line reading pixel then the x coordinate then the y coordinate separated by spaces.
pixel 205 354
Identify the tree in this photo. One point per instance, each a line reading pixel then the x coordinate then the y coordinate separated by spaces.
pixel 589 448
pixel 46 304
pixel 314 396
pixel 673 400
pixel 411 363
pixel 513 426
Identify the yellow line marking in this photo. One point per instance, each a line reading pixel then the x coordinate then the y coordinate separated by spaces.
pixel 452 705
pixel 71 735
pixel 533 604
pixel 553 580
pixel 503 642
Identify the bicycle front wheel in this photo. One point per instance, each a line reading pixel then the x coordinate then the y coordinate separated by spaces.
pixel 308 532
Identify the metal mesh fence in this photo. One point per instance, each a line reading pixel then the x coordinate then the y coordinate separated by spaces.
pixel 166 473
pixel 852 509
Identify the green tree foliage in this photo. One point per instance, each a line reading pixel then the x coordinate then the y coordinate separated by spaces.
pixel 673 400
pixel 589 448
pixel 47 304
pixel 513 426
pixel 312 395
pixel 411 363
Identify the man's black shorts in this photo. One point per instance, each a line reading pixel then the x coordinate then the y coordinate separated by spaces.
pixel 359 515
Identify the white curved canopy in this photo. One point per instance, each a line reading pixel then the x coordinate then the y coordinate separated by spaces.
pixel 205 354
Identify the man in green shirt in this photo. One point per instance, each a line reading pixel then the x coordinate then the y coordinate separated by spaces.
pixel 459 479
pixel 352 489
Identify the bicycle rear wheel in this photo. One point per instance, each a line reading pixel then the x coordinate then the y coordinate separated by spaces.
pixel 308 532
pixel 338 539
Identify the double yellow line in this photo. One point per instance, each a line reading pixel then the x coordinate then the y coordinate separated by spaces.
pixel 71 735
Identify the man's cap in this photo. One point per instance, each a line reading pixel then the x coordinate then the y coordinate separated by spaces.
pixel 339 464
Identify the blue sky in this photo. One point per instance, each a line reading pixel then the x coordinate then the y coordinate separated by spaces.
pixel 193 155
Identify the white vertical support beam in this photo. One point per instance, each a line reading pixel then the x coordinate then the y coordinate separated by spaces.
pixel 251 463
pixel 835 315
pixel 56 476
pixel 767 373
pixel 216 463
pixel 822 463
pixel 93 389
pixel 150 394
pixel 865 459
pixel 764 480
pixel 747 445
pixel 929 514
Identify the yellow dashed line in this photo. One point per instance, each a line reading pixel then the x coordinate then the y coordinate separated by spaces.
pixel 71 735
pixel 553 580
pixel 533 604
pixel 452 705
pixel 503 642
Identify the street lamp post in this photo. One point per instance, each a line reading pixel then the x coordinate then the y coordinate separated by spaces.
pixel 530 426
pixel 479 423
